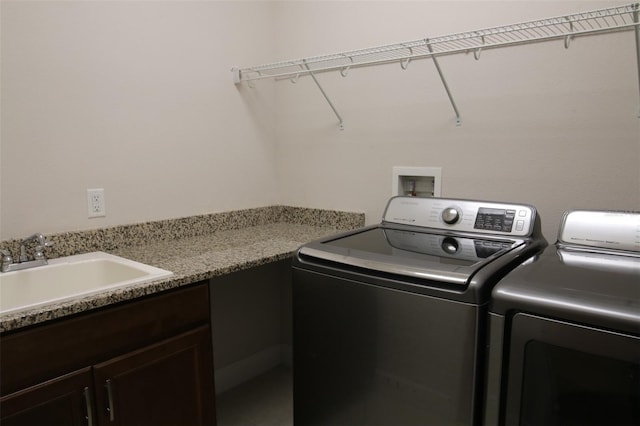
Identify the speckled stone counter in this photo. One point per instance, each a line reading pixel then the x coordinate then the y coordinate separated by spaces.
pixel 194 249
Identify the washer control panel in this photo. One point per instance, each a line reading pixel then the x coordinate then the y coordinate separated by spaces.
pixel 485 217
pixel 493 219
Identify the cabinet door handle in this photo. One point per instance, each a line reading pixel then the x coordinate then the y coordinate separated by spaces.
pixel 110 410
pixel 87 400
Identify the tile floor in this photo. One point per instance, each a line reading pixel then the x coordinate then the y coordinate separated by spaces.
pixel 266 400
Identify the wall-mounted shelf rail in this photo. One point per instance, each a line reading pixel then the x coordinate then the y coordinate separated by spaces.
pixel 621 18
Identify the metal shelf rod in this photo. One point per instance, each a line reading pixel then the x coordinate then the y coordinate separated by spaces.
pixel 446 88
pixel 341 122
pixel 614 19
pixel 259 73
pixel 582 24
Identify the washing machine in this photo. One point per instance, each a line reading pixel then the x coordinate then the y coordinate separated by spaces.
pixel 389 320
pixel 564 346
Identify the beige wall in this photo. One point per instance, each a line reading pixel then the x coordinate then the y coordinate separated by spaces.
pixel 136 98
pixel 540 124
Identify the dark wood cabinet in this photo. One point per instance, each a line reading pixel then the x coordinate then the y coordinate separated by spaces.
pixel 145 363
pixel 164 384
pixel 63 401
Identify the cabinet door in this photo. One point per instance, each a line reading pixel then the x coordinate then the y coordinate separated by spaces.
pixel 168 383
pixel 65 400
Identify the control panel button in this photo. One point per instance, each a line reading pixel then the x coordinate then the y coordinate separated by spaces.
pixel 450 215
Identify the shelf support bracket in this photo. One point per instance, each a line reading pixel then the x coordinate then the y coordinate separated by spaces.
pixel 636 19
pixel 444 83
pixel 341 122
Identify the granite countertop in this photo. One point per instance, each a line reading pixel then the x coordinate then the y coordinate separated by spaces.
pixel 193 259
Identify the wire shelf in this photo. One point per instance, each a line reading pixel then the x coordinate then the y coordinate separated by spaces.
pixel 564 27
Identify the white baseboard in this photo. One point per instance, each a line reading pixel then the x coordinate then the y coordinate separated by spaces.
pixel 246 369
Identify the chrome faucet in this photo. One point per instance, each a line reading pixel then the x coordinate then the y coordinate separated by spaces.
pixel 38 254
pixel 24 261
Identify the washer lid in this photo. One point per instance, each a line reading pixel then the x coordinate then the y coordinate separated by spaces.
pixel 443 258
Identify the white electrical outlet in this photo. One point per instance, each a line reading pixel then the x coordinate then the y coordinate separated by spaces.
pixel 96 202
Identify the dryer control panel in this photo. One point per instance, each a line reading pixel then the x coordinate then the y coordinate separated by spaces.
pixel 595 229
pixel 484 217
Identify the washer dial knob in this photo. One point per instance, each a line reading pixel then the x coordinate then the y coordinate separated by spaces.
pixel 450 245
pixel 450 215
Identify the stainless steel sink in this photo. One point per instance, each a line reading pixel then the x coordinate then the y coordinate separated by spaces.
pixel 71 277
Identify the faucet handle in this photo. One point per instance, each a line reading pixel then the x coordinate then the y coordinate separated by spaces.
pixel 39 249
pixel 35 237
pixel 6 257
pixel 41 242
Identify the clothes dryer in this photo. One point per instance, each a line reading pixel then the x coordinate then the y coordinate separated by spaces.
pixel 565 329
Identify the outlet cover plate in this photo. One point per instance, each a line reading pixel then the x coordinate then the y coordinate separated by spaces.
pixel 96 204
